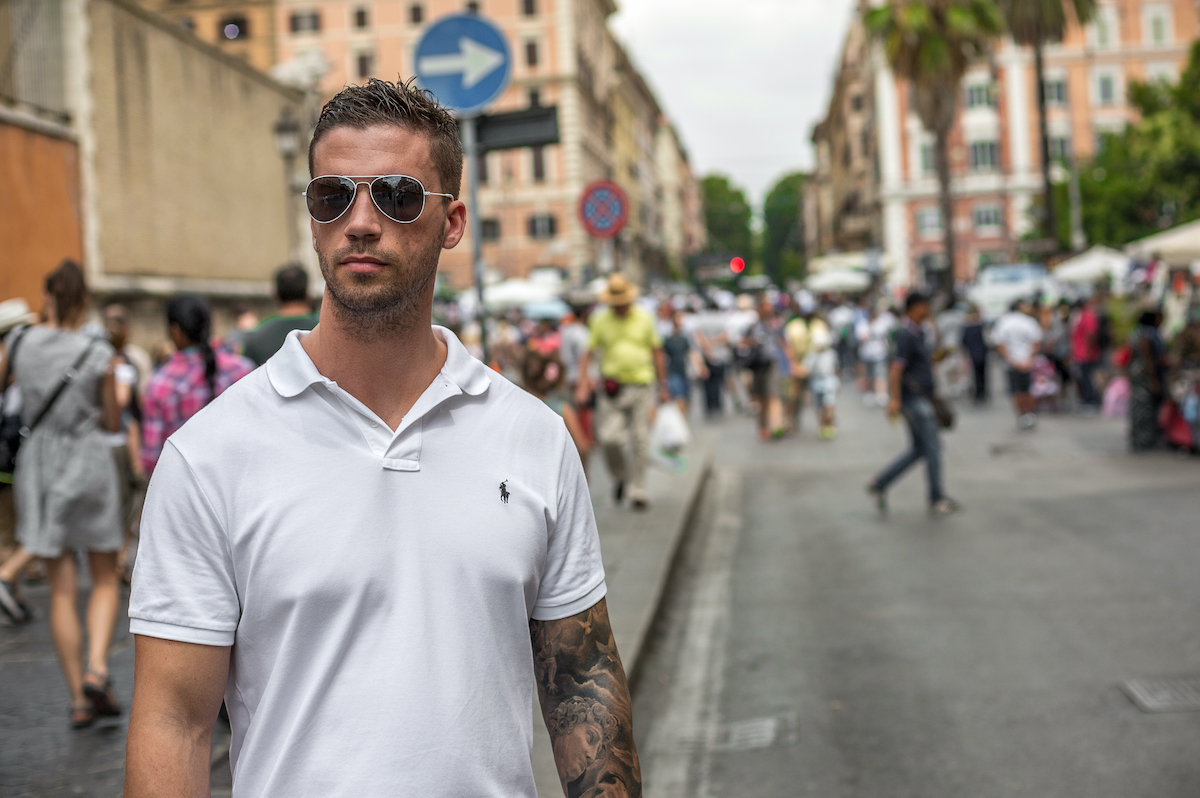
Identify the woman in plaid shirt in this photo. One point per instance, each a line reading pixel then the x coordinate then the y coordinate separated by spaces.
pixel 191 378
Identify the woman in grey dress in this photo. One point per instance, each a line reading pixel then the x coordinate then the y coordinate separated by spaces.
pixel 66 491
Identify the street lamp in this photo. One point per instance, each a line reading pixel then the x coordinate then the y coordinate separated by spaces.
pixel 287 142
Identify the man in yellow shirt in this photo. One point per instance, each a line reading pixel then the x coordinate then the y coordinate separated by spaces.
pixel 798 336
pixel 631 365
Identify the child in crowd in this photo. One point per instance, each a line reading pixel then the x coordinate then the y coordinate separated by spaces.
pixel 542 374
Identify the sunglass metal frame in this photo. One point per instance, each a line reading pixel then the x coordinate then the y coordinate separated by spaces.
pixel 358 180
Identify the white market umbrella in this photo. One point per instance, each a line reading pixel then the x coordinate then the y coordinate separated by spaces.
pixel 1178 246
pixel 838 281
pixel 1096 264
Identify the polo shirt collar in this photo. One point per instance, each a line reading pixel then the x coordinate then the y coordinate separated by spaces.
pixel 291 371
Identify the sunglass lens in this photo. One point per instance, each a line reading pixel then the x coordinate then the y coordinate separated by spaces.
pixel 399 197
pixel 328 198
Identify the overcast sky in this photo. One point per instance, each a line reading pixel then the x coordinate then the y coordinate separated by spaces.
pixel 743 80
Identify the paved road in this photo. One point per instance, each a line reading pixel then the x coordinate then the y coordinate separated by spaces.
pixel 811 647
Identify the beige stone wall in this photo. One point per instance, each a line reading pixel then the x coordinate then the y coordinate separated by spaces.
pixel 188 182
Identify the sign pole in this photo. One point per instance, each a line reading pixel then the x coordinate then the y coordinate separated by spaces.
pixel 471 145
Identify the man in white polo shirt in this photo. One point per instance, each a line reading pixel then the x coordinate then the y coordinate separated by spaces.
pixel 373 547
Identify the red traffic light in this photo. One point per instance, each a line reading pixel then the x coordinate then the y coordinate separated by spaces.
pixel 737 265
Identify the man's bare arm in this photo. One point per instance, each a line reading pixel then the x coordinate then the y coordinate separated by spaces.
pixel 176 696
pixel 586 704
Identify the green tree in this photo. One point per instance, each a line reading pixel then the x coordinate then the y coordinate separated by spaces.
pixel 727 217
pixel 1036 23
pixel 1147 178
pixel 931 43
pixel 782 244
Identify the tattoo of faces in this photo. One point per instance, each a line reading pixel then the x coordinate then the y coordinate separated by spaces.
pixel 586 703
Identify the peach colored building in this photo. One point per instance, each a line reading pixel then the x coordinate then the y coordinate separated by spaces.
pixel 995 151
pixel 563 55
pixel 244 28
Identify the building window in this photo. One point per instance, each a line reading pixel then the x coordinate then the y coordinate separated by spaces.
pixel 1156 25
pixel 531 54
pixel 529 7
pixel 1106 90
pixel 483 168
pixel 1056 91
pixel 187 23
pixel 362 18
pixel 306 22
pixel 539 164
pixel 535 98
pixel 543 226
pixel 473 7
pixel 366 64
pixel 929 222
pixel 416 14
pixel 928 160
pixel 988 216
pixel 856 102
pixel 490 229
pixel 983 156
pixel 1105 28
pixel 235 27
pixel 980 96
pixel 1060 148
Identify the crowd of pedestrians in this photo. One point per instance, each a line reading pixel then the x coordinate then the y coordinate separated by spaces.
pixel 96 410
pixel 85 417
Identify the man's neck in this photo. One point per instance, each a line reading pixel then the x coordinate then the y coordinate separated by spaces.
pixel 387 373
pixel 290 310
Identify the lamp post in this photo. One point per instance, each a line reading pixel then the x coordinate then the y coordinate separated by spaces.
pixel 287 142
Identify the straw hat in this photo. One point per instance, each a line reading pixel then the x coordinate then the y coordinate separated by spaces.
pixel 14 312
pixel 619 291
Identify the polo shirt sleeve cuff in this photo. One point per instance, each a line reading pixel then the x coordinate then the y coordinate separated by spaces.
pixel 560 611
pixel 180 634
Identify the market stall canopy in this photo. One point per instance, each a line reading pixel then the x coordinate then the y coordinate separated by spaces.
pixel 850 261
pixel 1098 263
pixel 509 294
pixel 1179 246
pixel 842 280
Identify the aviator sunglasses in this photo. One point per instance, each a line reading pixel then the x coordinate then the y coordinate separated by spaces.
pixel 398 197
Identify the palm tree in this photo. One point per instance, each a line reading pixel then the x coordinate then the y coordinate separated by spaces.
pixel 1036 23
pixel 931 44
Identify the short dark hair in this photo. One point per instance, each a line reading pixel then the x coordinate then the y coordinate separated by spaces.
pixel 913 299
pixel 69 288
pixel 291 284
pixel 379 102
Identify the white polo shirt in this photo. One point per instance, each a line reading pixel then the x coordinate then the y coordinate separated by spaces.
pixel 376 587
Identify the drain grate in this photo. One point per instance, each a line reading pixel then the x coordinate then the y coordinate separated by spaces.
pixel 1165 695
pixel 747 735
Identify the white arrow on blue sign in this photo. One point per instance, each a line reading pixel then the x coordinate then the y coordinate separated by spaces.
pixel 465 61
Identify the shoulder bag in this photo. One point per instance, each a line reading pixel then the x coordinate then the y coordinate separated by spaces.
pixel 12 433
pixel 943 411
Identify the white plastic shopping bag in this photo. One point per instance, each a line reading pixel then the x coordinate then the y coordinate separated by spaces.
pixel 670 433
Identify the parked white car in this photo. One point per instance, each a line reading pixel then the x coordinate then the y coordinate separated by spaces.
pixel 997 287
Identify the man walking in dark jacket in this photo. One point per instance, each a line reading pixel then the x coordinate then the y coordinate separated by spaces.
pixel 910 378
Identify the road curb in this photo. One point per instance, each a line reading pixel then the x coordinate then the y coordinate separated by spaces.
pixel 635 665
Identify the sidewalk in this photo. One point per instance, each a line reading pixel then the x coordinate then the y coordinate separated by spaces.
pixel 40 756
pixel 638 548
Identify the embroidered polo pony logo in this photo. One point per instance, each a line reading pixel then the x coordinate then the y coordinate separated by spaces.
pixel 504 494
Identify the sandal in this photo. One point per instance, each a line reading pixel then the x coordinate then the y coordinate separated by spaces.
pixel 82 716
pixel 99 691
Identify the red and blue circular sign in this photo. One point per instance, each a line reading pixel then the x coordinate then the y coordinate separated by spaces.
pixel 603 209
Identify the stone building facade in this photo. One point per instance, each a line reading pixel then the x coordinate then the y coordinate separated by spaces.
pixel 158 167
pixel 995 149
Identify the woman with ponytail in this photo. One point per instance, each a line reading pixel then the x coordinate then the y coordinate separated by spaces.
pixel 193 376
pixel 65 482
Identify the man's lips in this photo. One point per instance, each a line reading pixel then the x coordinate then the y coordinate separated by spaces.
pixel 362 263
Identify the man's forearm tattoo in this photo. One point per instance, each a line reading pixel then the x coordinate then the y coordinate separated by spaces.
pixel 585 700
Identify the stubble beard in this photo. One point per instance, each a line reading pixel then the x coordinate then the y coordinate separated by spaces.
pixel 380 305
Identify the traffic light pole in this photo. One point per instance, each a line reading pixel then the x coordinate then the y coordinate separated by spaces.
pixel 471 145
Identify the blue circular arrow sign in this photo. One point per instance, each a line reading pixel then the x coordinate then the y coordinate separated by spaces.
pixel 465 60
